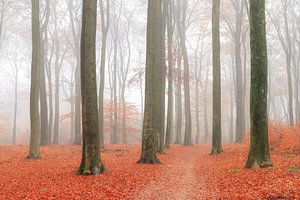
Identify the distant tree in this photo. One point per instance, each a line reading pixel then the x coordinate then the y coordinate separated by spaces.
pixel 91 163
pixel 153 63
pixel 162 79
pixel 217 132
pixel 239 7
pixel 105 22
pixel 73 8
pixel 15 58
pixel 259 153
pixel 181 26
pixel 35 127
pixel 45 135
pixel 170 117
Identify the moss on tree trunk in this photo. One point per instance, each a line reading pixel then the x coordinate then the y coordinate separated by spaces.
pixel 259 153
pixel 153 63
pixel 91 163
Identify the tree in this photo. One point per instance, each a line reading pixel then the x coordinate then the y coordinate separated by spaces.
pixel 91 163
pixel 35 129
pixel 162 78
pixel 240 95
pixel 105 28
pixel 15 58
pixel 181 25
pixel 45 135
pixel 153 63
pixel 170 31
pixel 75 26
pixel 217 132
pixel 259 153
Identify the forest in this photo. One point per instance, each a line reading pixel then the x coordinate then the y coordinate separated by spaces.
pixel 150 99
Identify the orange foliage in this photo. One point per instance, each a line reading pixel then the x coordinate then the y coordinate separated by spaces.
pixel 186 173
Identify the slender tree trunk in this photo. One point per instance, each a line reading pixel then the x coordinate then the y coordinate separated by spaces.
pixel 169 129
pixel 197 114
pixel 76 38
pixel 240 102
pixel 105 30
pixel 217 132
pixel 153 63
pixel 178 101
pixel 50 99
pixel 56 99
pixel 43 98
pixel 91 163
pixel 15 109
pixel 35 128
pixel 162 74
pixel 259 153
pixel 115 96
pixel 77 104
pixel 186 79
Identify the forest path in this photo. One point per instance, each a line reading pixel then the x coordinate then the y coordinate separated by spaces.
pixel 180 179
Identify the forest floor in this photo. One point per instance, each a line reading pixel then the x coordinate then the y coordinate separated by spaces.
pixel 186 173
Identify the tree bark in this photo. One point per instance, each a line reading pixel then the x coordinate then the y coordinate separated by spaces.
pixel 153 63
pixel 259 153
pixel 186 78
pixel 178 100
pixel 91 163
pixel 105 29
pixel 170 29
pixel 217 132
pixel 240 100
pixel 35 128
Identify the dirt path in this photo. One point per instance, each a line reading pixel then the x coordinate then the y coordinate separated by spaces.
pixel 181 172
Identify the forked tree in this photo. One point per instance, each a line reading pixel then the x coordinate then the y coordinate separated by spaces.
pixel 259 153
pixel 217 132
pixel 91 163
pixel 153 63
pixel 35 127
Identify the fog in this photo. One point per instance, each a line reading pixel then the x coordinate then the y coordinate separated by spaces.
pixel 126 53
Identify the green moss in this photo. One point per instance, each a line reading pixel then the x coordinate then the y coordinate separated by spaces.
pixel 44 190
pixel 235 170
pixel 294 169
pixel 290 155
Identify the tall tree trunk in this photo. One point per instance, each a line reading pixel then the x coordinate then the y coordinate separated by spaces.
pixel 186 79
pixel 170 29
pixel 153 63
pixel 43 100
pixel 91 163
pixel 115 96
pixel 217 132
pixel 35 128
pixel 259 153
pixel 197 141
pixel 76 38
pixel 206 131
pixel 56 97
pixel 178 100
pixel 162 74
pixel 240 102
pixel 15 109
pixel 105 29
pixel 77 104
